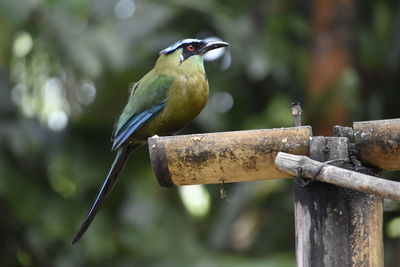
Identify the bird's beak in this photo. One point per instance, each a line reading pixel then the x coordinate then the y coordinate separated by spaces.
pixel 213 45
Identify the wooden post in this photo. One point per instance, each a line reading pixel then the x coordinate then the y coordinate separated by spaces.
pixel 336 226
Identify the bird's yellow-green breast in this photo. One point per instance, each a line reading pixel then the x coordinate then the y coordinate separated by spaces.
pixel 183 84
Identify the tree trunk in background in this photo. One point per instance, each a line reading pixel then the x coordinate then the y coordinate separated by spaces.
pixel 330 56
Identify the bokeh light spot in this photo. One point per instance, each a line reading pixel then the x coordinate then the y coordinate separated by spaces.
pixel 57 120
pixel 86 92
pixel 22 45
pixel 221 102
pixel 393 228
pixel 196 199
pixel 124 9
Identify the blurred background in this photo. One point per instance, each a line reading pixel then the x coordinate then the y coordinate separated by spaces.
pixel 65 68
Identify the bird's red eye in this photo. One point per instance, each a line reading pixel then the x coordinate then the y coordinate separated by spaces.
pixel 191 48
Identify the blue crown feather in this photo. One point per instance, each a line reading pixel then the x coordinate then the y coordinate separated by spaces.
pixel 178 44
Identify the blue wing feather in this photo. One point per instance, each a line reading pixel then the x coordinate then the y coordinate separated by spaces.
pixel 134 123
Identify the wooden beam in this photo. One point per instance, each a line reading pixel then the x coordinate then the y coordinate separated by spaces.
pixel 225 157
pixel 378 143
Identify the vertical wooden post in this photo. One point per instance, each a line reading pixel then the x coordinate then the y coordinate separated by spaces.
pixel 336 226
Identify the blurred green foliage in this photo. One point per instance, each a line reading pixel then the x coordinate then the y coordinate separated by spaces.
pixel 65 67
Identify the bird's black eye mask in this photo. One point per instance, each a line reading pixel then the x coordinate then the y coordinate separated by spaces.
pixel 191 49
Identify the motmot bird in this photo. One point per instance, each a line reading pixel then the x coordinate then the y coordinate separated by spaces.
pixel 166 99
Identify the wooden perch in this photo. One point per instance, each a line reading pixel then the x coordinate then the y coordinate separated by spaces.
pixel 224 157
pixel 378 143
pixel 309 168
pixel 249 155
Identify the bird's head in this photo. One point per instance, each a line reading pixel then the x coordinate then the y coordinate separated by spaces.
pixel 191 47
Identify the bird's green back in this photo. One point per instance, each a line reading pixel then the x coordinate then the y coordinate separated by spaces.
pixel 181 85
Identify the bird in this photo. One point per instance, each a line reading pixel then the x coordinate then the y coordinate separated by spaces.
pixel 162 102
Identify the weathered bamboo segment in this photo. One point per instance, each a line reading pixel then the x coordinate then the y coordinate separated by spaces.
pixel 225 157
pixel 338 176
pixel 378 143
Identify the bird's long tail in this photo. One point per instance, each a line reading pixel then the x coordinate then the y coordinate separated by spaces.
pixel 122 156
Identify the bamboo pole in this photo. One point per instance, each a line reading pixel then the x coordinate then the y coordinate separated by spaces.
pixel 378 143
pixel 224 157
